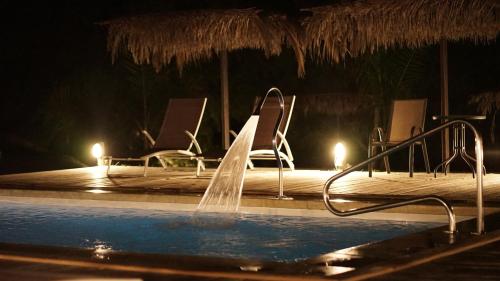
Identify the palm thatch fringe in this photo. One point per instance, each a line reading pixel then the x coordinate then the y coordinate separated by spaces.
pixel 191 36
pixel 337 104
pixel 356 27
pixel 293 36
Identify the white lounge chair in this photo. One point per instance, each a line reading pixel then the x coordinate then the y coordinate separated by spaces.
pixel 262 148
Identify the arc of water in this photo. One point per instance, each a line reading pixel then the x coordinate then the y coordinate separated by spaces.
pixel 224 191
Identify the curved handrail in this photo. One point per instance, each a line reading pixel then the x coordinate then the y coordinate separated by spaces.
pixel 479 179
pixel 257 111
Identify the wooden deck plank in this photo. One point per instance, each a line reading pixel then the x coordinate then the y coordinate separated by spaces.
pixel 457 186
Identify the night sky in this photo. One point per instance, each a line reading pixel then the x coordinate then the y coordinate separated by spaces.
pixel 60 92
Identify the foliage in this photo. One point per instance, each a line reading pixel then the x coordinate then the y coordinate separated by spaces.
pixel 487 103
pixel 388 75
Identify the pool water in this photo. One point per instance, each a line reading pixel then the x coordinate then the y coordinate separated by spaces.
pixel 264 237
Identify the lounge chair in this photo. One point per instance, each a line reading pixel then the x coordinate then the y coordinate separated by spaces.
pixel 406 120
pixel 177 135
pixel 262 148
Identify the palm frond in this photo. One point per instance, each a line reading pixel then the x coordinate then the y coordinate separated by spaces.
pixel 486 102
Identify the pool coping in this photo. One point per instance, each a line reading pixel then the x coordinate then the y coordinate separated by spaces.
pixel 267 211
pixel 307 203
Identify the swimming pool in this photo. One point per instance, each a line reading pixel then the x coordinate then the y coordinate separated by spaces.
pixel 249 236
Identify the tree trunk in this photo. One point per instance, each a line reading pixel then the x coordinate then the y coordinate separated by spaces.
pixel 224 100
pixel 492 126
pixel 144 107
pixel 376 117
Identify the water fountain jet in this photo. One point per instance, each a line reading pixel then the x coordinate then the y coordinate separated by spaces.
pixel 224 191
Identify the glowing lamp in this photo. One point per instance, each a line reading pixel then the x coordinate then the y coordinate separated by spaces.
pixel 98 152
pixel 339 154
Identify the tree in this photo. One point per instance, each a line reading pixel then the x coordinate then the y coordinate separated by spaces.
pixel 488 103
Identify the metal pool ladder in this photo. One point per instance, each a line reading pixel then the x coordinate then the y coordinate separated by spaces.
pixel 257 111
pixel 411 142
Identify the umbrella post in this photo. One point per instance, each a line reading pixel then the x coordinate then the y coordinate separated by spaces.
pixel 224 87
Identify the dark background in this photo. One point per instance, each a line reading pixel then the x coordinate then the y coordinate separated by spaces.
pixel 60 93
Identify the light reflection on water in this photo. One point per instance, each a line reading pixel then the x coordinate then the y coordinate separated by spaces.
pixel 187 233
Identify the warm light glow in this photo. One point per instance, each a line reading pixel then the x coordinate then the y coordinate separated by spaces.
pixel 97 150
pixel 99 171
pixel 339 154
pixel 253 268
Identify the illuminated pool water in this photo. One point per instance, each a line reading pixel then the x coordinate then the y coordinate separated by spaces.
pixel 278 238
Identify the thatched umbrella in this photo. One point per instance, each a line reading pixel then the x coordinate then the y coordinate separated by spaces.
pixel 193 35
pixel 356 27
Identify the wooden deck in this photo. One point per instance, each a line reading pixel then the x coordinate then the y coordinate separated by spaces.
pixel 306 183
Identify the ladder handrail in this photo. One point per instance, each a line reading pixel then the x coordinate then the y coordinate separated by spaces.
pixel 479 180
pixel 257 111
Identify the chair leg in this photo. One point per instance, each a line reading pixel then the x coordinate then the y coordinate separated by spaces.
pixel 411 159
pixel 426 157
pixel 370 155
pixel 386 161
pixel 250 164
pixel 162 162
pixel 146 164
pixel 109 166
pixel 289 162
pixel 200 166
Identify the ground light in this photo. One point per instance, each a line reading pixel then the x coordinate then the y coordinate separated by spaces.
pixel 98 152
pixel 339 154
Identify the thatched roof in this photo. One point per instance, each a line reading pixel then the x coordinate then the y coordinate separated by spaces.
pixel 190 36
pixel 347 28
pixel 359 26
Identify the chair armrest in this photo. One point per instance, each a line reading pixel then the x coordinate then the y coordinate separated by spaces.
pixel 233 133
pixel 148 137
pixel 287 146
pixel 194 141
pixel 378 132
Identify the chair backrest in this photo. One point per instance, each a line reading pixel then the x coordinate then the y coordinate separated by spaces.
pixel 183 114
pixel 267 121
pixel 405 114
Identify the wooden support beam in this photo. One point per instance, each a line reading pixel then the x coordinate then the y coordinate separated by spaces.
pixel 443 63
pixel 224 99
